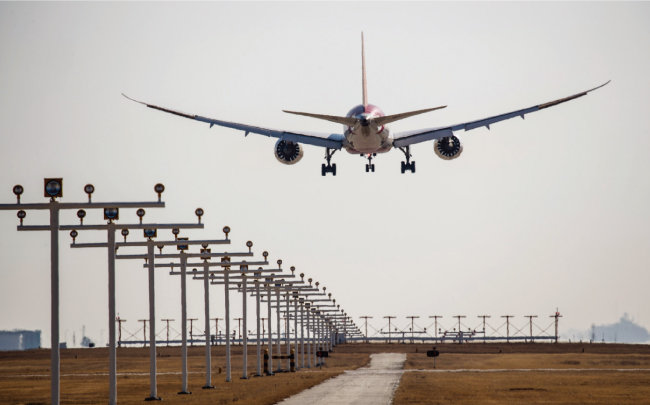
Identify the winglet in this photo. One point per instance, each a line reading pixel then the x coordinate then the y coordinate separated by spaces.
pixel 132 99
pixel 565 99
pixel 363 73
pixel 167 110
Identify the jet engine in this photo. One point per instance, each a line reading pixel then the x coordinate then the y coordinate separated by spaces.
pixel 288 152
pixel 448 148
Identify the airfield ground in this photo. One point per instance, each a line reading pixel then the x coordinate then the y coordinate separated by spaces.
pixel 541 373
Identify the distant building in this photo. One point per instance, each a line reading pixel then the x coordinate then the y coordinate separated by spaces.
pixel 624 331
pixel 20 339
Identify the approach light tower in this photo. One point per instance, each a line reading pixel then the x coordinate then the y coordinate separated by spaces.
pixel 365 318
pixel 53 189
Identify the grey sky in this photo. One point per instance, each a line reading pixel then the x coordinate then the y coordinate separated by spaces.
pixel 546 212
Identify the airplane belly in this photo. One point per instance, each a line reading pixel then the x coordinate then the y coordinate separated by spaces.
pixel 376 142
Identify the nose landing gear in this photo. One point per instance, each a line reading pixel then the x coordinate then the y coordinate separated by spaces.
pixel 408 165
pixel 370 167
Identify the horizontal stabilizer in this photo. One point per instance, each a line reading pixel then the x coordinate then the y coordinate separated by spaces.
pixel 396 117
pixel 349 121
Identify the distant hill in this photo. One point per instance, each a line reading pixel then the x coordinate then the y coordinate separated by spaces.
pixel 624 331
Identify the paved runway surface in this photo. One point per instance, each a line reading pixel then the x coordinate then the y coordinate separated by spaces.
pixel 373 385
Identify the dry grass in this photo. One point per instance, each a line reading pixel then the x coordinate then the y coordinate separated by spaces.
pixel 85 381
pixel 84 377
pixel 597 385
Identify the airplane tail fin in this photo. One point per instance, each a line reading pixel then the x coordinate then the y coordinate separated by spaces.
pixel 363 74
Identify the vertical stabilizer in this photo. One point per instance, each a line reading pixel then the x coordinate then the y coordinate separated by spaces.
pixel 363 73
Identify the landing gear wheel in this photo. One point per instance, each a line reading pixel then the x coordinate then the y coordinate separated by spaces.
pixel 328 168
pixel 372 167
pixel 408 165
pixel 367 168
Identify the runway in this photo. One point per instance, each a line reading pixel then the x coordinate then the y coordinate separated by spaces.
pixel 373 385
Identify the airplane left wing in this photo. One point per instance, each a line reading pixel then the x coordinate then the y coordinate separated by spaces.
pixel 332 141
pixel 422 135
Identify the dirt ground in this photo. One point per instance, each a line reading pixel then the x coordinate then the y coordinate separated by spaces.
pixel 526 373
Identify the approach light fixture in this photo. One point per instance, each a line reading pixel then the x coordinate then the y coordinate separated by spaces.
pixel 89 189
pixel 226 230
pixel 140 213
pixel 18 190
pixel 182 247
pixel 159 188
pixel 150 233
pixel 175 232
pixel 125 233
pixel 249 245
pixel 74 235
pixel 302 276
pixel 21 215
pixel 111 214
pixel 199 213
pixel 293 269
pixel 53 188
pixel 81 214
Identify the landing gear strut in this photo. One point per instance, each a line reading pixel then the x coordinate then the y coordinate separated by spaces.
pixel 329 168
pixel 408 165
pixel 370 167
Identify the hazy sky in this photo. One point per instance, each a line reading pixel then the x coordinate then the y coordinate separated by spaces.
pixel 546 212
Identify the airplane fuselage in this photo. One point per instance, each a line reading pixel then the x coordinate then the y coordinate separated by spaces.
pixel 366 137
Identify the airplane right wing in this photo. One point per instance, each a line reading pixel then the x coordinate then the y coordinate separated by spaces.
pixel 422 135
pixel 331 141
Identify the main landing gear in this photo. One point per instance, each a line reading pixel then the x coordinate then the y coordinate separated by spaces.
pixel 329 168
pixel 408 165
pixel 370 167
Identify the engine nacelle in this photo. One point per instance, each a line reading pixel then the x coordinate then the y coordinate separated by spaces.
pixel 448 148
pixel 288 152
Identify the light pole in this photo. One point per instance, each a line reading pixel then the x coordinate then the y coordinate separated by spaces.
pixel 530 320
pixel 365 318
pixel 53 189
pixel 119 336
pixel 144 331
pixel 557 317
pixel 435 320
pixel 389 331
pixel 460 332
pixel 507 326
pixel 412 317
pixel 167 321
pixel 192 329
pixel 484 331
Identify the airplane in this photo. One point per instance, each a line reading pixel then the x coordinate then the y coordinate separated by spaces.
pixel 365 132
